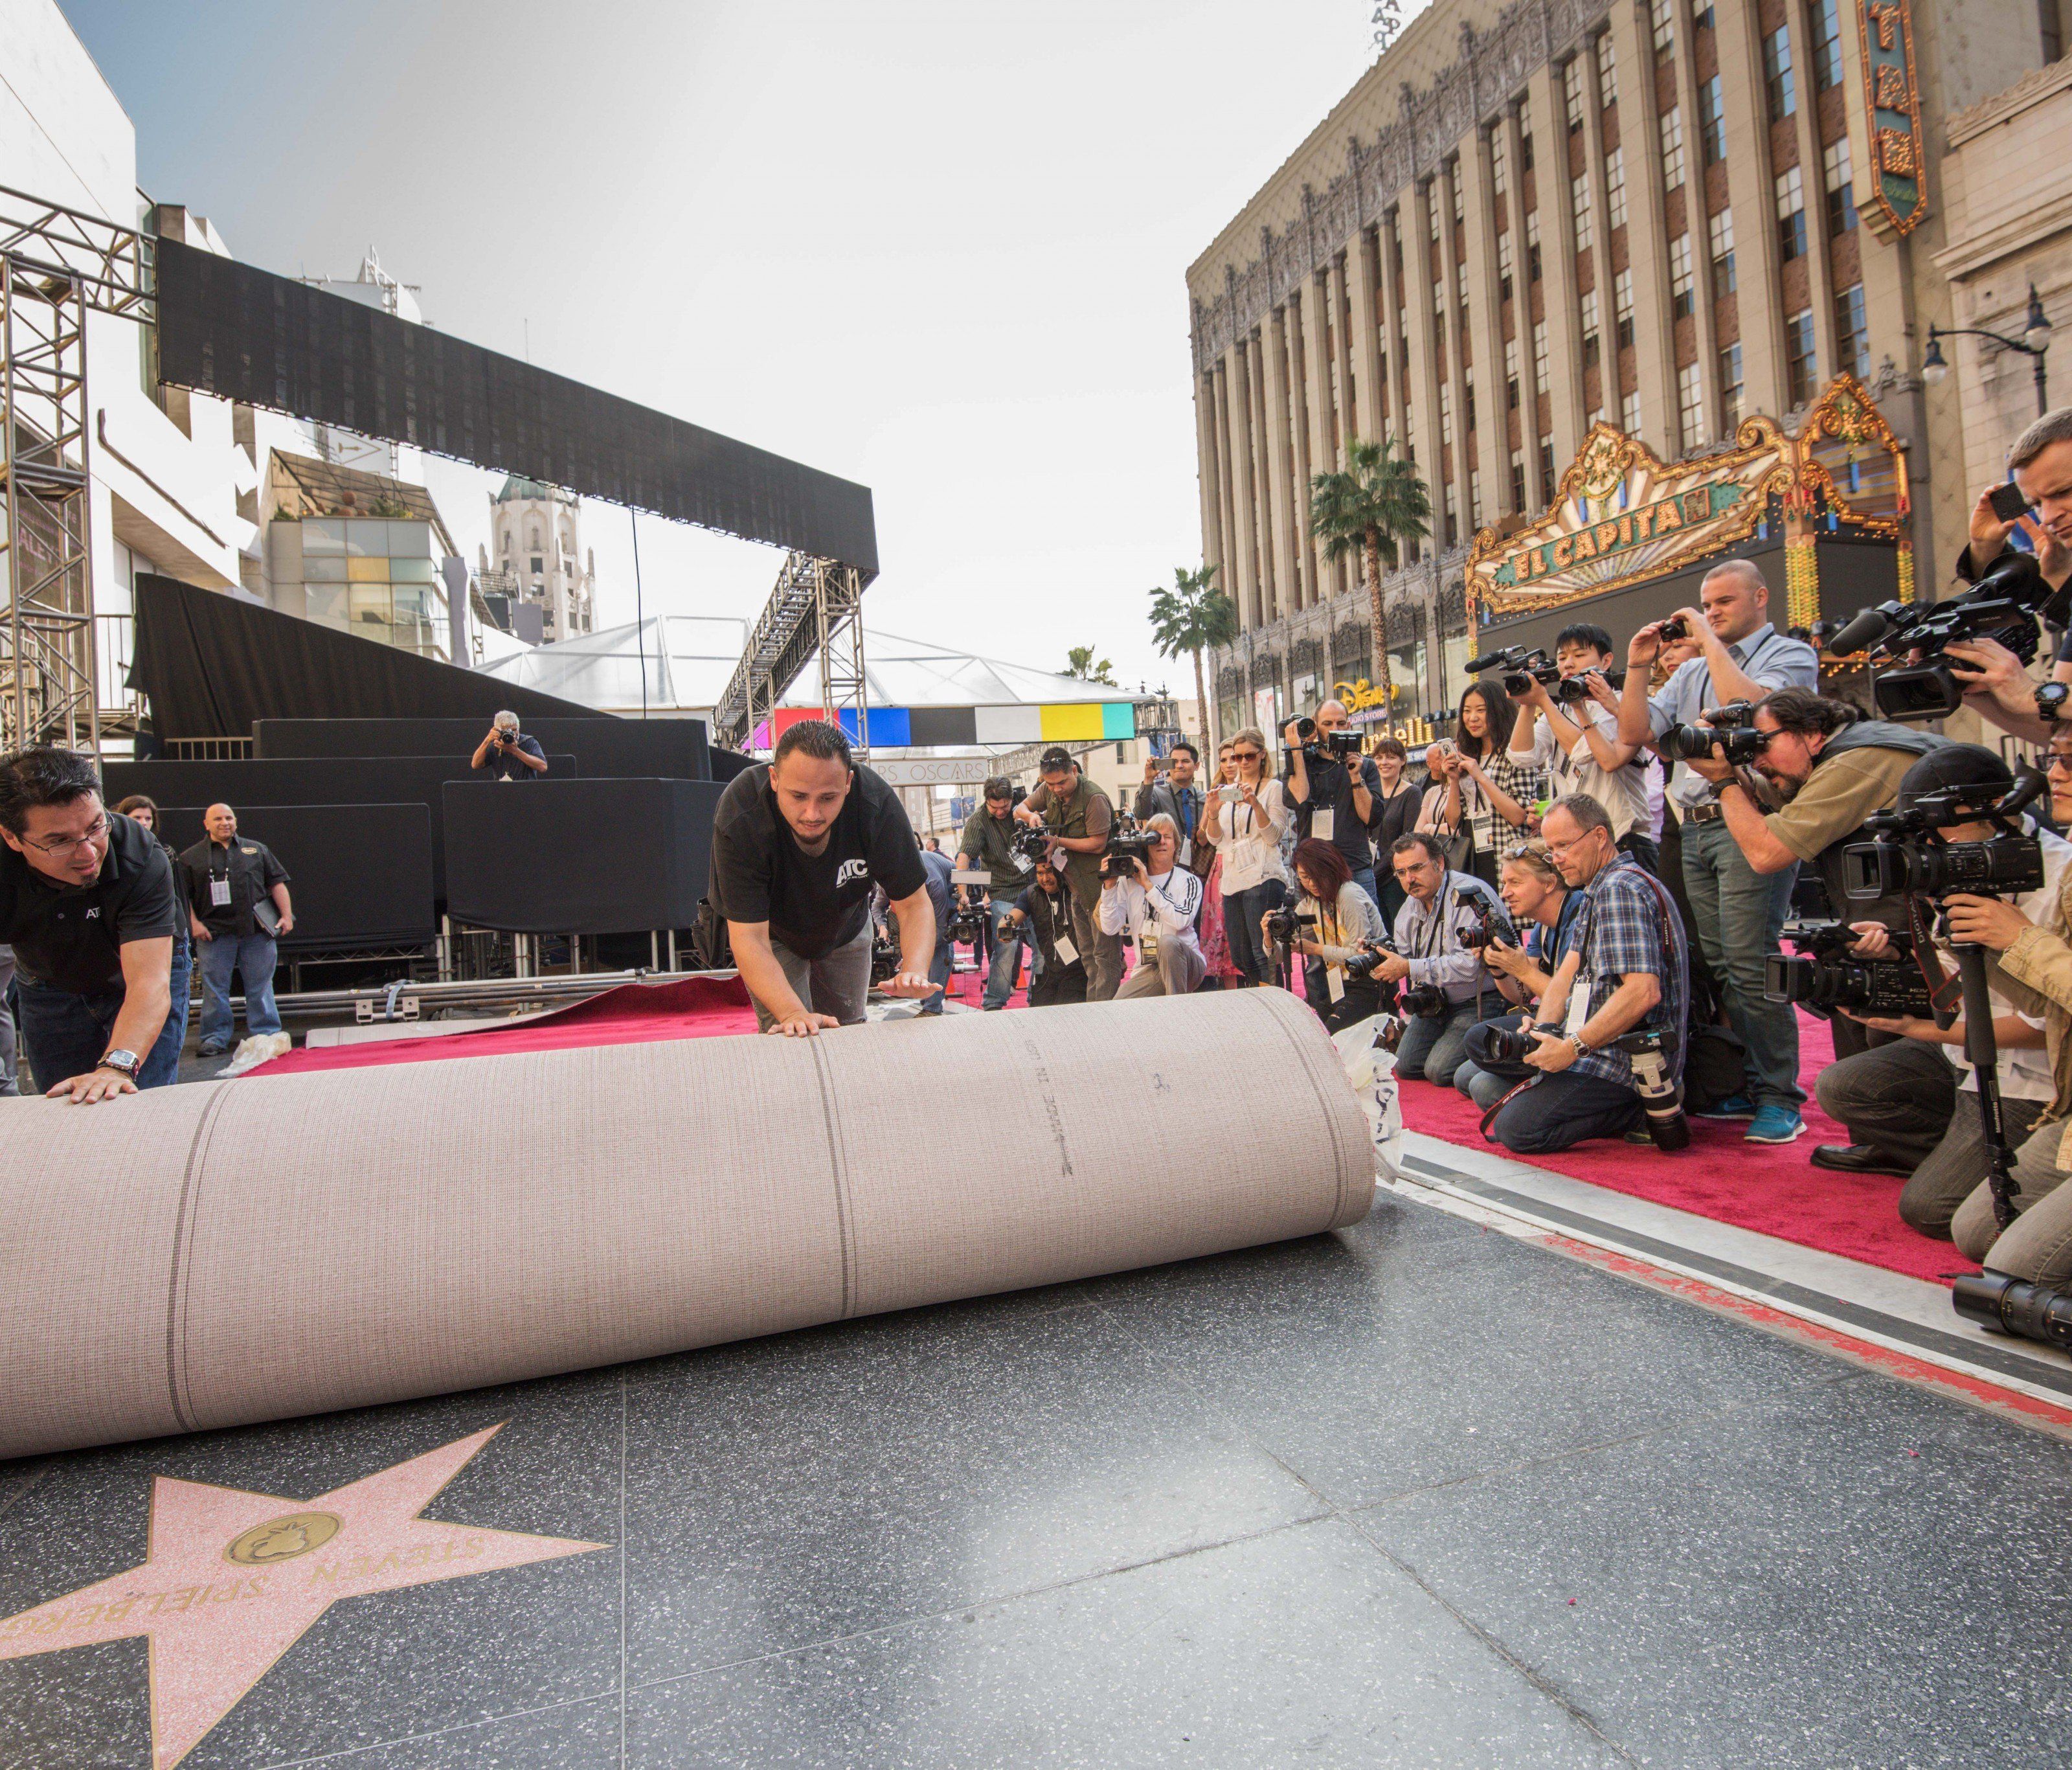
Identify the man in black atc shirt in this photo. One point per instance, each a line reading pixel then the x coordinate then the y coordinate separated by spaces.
pixel 798 847
pixel 86 901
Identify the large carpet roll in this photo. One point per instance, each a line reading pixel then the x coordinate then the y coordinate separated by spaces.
pixel 222 1252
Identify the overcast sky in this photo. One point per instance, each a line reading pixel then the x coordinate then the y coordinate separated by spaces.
pixel 939 248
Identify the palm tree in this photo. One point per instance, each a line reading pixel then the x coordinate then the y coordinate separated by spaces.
pixel 1079 662
pixel 1190 617
pixel 1366 510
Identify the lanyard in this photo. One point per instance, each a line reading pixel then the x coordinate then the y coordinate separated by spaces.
pixel 1432 936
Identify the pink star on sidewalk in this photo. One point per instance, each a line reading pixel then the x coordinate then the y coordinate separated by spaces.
pixel 232 1580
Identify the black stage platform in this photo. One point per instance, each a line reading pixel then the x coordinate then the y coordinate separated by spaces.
pixel 1418 1494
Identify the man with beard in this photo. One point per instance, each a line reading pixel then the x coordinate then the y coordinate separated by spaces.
pixel 1833 768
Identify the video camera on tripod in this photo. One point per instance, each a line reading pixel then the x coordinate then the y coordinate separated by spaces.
pixel 1823 975
pixel 2004 605
pixel 1908 853
pixel 1521 668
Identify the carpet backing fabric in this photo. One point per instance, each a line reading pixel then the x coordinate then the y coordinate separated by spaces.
pixel 219 1254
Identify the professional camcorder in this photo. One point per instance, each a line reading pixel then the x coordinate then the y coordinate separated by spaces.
pixel 1521 667
pixel 1907 853
pixel 1823 975
pixel 1031 843
pixel 1316 741
pixel 1126 843
pixel 1731 727
pixel 2004 605
pixel 967 926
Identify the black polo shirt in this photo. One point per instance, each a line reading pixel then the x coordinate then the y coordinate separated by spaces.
pixel 813 903
pixel 501 765
pixel 72 937
pixel 252 873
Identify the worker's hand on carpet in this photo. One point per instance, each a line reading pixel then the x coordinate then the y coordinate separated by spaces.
pixel 94 1086
pixel 909 983
pixel 804 1024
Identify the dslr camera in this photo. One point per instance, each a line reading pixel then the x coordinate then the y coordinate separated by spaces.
pixel 1673 630
pixel 1126 843
pixel 1654 1075
pixel 884 954
pixel 1521 668
pixel 1906 642
pixel 1821 974
pixel 1573 690
pixel 1490 925
pixel 1731 727
pixel 1315 741
pixel 1907 853
pixel 1283 925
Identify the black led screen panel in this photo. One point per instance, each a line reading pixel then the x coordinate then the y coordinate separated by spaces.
pixel 227 329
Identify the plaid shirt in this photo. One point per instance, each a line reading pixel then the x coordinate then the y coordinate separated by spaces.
pixel 1618 932
pixel 1492 831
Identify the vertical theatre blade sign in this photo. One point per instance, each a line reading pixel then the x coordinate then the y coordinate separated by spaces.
pixel 1893 99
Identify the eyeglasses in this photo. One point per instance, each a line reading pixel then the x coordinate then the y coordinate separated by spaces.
pixel 96 831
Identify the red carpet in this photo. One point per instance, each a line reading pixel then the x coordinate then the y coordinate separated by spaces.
pixel 1774 1189
pixel 631 1014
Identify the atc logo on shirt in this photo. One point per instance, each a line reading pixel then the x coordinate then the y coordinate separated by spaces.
pixel 849 870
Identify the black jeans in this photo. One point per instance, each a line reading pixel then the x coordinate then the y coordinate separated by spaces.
pixel 1643 849
pixel 1561 1110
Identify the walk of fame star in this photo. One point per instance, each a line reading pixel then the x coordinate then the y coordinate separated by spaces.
pixel 232 1580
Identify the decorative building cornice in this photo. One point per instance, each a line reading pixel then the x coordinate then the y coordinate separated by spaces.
pixel 2037 84
pixel 1482 80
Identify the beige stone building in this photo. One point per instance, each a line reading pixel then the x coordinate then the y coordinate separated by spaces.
pixel 1665 215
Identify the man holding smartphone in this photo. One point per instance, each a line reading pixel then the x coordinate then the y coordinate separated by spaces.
pixel 508 754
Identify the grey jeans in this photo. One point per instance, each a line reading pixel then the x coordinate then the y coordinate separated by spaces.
pixel 1738 912
pixel 2038 1246
pixel 10 1060
pixel 1902 1099
pixel 838 985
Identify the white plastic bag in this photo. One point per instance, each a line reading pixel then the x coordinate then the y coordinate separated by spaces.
pixel 1371 1068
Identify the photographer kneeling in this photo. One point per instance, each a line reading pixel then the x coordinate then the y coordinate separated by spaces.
pixel 1541 904
pixel 1448 984
pixel 1335 926
pixel 1906 1111
pixel 1625 974
pixel 1154 901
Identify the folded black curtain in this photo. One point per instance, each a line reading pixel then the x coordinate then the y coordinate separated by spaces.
pixel 212 664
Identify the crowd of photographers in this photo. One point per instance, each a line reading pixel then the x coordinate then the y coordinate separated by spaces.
pixel 1582 915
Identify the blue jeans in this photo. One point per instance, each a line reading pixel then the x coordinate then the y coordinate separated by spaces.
pixel 1363 877
pixel 1004 967
pixel 1484 1078
pixel 1739 912
pixel 252 959
pixel 1433 1050
pixel 163 1065
pixel 66 1034
pixel 1242 910
pixel 938 972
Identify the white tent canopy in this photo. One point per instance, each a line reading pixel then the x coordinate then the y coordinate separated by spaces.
pixel 689 659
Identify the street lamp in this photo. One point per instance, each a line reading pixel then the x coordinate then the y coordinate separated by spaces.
pixel 2035 340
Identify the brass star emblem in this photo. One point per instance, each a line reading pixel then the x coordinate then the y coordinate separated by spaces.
pixel 232 1580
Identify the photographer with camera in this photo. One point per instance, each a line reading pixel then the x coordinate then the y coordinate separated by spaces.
pixel 1045 915
pixel 1245 820
pixel 988 842
pixel 1541 904
pixel 1608 1048
pixel 1906 1111
pixel 1480 789
pixel 1737 910
pixel 1331 787
pixel 1337 927
pixel 1154 900
pixel 1571 733
pixel 1443 985
pixel 1174 790
pixel 1074 817
pixel 507 753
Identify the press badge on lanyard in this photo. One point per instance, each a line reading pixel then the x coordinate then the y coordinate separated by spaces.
pixel 1323 822
pixel 218 891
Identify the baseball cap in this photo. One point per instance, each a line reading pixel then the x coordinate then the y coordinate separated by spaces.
pixel 1954 765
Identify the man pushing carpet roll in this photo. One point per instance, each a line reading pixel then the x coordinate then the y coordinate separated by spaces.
pixel 798 846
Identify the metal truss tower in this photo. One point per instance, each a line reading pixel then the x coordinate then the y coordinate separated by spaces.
pixel 57 266
pixel 817 605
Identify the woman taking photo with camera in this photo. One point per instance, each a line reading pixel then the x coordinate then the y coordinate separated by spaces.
pixel 1347 920
pixel 1477 787
pixel 1244 818
pixel 1395 809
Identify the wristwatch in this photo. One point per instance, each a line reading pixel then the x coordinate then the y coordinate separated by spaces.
pixel 1576 1038
pixel 2050 700
pixel 123 1063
